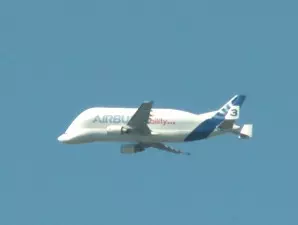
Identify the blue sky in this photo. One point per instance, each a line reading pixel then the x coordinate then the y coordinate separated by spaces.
pixel 58 58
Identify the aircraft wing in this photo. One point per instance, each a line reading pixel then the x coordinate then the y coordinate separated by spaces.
pixel 140 119
pixel 167 148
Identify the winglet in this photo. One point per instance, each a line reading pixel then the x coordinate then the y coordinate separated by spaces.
pixel 148 102
pixel 140 118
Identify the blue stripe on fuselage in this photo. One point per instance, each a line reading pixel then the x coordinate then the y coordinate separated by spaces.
pixel 205 128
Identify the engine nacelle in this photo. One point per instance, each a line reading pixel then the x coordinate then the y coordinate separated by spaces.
pixel 116 130
pixel 131 149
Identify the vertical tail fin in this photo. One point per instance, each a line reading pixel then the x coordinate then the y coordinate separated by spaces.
pixel 231 110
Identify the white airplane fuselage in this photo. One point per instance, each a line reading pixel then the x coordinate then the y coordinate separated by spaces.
pixel 148 127
pixel 167 125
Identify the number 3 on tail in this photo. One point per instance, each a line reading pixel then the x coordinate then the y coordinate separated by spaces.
pixel 234 112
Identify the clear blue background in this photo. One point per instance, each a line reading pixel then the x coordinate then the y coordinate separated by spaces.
pixel 60 57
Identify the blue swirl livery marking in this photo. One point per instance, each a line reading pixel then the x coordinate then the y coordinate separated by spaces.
pixel 205 128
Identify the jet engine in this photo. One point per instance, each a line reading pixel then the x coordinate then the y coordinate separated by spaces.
pixel 131 148
pixel 115 130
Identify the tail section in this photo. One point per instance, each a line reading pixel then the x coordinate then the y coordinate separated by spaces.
pixel 231 110
pixel 222 121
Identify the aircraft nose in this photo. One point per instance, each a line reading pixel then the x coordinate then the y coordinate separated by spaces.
pixel 62 138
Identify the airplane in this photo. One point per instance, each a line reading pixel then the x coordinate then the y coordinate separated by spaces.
pixel 147 127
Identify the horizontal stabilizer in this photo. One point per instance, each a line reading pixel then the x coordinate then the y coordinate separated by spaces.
pixel 246 131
